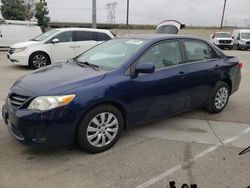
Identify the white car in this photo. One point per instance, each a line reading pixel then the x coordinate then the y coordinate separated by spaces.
pixel 222 40
pixel 56 45
pixel 241 39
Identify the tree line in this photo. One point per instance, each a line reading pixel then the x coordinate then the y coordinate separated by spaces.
pixel 22 10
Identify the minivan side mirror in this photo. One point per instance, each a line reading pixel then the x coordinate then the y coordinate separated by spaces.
pixel 55 40
pixel 232 37
pixel 145 68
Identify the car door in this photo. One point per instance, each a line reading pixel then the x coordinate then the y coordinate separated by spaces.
pixel 164 91
pixel 64 48
pixel 84 40
pixel 204 65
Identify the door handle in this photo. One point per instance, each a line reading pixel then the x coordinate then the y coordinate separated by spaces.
pixel 72 47
pixel 216 66
pixel 182 74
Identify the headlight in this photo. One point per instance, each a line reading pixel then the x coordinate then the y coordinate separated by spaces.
pixel 242 41
pixel 19 50
pixel 44 103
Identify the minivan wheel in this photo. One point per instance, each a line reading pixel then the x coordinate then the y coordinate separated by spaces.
pixel 100 129
pixel 38 60
pixel 219 99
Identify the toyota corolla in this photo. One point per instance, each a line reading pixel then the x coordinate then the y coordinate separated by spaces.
pixel 124 82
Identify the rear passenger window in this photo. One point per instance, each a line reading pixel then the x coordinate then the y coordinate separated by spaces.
pixel 199 51
pixel 102 37
pixel 84 35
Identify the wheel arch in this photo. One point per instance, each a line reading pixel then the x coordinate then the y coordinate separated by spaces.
pixel 116 104
pixel 229 83
pixel 40 51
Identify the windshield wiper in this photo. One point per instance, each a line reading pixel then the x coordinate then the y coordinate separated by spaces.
pixel 93 66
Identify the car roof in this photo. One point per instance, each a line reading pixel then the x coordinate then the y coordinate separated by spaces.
pixel 83 29
pixel 158 37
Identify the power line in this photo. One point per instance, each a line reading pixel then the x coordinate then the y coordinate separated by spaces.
pixel 111 7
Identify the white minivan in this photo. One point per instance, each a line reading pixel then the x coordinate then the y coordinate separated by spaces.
pixel 56 45
pixel 241 39
pixel 12 32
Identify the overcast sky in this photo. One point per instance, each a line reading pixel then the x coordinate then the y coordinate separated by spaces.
pixel 190 12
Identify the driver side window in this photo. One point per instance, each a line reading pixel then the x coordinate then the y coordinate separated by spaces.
pixel 162 55
pixel 65 37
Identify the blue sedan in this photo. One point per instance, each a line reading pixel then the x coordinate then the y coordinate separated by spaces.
pixel 91 99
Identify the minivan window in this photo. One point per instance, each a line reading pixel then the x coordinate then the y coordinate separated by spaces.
pixel 245 35
pixel 199 51
pixel 84 35
pixel 162 55
pixel 45 36
pixel 102 37
pixel 65 37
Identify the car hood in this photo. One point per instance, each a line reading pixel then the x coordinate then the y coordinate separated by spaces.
pixel 24 44
pixel 58 78
pixel 224 38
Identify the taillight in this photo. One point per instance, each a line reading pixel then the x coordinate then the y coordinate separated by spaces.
pixel 240 65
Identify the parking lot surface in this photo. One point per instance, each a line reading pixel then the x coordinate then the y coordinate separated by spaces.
pixel 193 148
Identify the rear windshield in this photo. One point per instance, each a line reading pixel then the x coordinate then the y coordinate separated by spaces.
pixel 45 36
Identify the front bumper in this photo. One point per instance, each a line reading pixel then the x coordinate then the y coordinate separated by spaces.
pixel 19 58
pixel 230 46
pixel 56 127
pixel 244 46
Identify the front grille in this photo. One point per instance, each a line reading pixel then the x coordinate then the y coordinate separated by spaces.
pixel 11 51
pixel 17 100
pixel 225 41
pixel 248 42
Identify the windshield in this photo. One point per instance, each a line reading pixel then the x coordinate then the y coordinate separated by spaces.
pixel 222 35
pixel 45 35
pixel 111 54
pixel 245 35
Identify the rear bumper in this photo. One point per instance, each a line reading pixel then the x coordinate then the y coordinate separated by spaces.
pixel 52 128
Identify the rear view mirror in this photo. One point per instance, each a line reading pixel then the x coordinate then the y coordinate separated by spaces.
pixel 55 40
pixel 145 68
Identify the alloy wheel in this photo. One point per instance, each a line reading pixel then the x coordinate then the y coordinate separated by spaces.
pixel 221 98
pixel 102 129
pixel 39 61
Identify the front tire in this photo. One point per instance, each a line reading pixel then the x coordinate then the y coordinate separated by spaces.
pixel 100 129
pixel 38 60
pixel 219 98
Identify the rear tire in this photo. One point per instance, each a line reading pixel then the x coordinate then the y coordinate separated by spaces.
pixel 219 98
pixel 38 60
pixel 100 129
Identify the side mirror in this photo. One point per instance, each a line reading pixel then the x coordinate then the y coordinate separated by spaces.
pixel 213 37
pixel 232 37
pixel 145 68
pixel 55 40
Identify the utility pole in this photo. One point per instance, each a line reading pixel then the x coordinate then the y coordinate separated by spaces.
pixel 127 22
pixel 93 13
pixel 223 14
